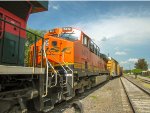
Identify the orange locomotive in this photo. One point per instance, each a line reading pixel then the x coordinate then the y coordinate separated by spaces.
pixel 71 53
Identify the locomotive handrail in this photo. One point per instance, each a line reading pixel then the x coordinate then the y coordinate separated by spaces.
pixel 55 74
pixel 46 87
pixel 47 66
pixel 69 69
pixel 20 27
pixel 60 64
pixel 34 50
pixel 72 74
pixel 35 39
pixel 62 67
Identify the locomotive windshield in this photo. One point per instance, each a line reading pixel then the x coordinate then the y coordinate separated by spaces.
pixel 72 36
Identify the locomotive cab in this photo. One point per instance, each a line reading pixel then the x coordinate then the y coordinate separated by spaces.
pixel 70 34
pixel 67 33
pixel 59 45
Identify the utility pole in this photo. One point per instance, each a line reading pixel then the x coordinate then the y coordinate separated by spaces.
pixel 130 69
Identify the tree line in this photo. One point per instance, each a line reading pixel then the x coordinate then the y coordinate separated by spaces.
pixel 31 40
pixel 139 66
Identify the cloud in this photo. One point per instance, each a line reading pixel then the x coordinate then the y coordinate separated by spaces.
pixel 116 48
pixel 123 62
pixel 56 7
pixel 53 5
pixel 121 30
pixel 132 60
pixel 104 39
pixel 129 61
pixel 120 53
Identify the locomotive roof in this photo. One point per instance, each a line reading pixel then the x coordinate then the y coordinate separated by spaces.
pixel 104 56
pixel 21 8
pixel 39 6
pixel 73 28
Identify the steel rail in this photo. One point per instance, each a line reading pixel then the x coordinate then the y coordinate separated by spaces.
pixel 140 87
pixel 129 100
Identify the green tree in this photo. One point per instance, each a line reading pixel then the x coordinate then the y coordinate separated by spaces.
pixel 31 37
pixel 126 71
pixel 141 64
pixel 31 40
pixel 136 71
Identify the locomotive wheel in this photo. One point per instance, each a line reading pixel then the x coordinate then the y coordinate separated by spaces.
pixel 81 90
pixel 77 107
pixel 89 85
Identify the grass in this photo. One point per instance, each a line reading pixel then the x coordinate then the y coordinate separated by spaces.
pixel 146 85
pixel 147 76
pixel 93 97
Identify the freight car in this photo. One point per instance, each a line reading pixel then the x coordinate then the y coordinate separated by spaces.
pixel 114 68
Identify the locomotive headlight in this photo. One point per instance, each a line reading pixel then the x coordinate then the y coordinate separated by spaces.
pixel 51 31
pixel 67 29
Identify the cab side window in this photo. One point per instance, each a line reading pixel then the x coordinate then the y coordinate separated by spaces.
pixel 91 46
pixel 97 53
pixel 95 49
pixel 85 40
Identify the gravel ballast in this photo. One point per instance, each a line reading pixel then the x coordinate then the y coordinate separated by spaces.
pixel 107 98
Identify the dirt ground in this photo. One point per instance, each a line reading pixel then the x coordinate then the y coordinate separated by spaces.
pixel 107 98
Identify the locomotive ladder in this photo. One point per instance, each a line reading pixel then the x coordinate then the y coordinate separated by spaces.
pixel 55 74
pixel 48 82
pixel 68 85
pixel 69 78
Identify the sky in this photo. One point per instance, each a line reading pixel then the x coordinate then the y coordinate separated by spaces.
pixel 120 29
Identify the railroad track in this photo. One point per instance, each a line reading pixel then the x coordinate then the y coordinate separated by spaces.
pixel 61 107
pixel 144 80
pixel 139 98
